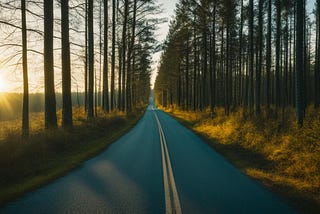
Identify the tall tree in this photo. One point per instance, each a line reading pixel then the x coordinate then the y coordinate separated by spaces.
pixel 268 57
pixel 50 99
pixel 91 59
pixel 113 54
pixel 240 52
pixel 317 60
pixel 260 57
pixel 251 54
pixel 25 108
pixel 278 52
pixel 299 61
pixel 124 50
pixel 130 65
pixel 105 89
pixel 66 70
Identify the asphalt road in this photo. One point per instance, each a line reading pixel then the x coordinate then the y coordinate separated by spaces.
pixel 157 167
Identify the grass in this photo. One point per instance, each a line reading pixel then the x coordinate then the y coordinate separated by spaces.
pixel 49 154
pixel 273 151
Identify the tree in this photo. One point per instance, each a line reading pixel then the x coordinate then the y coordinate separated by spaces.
pixel 251 55
pixel 317 61
pixel 91 59
pixel 66 70
pixel 130 58
pixel 268 57
pixel 25 108
pixel 260 57
pixel 50 99
pixel 240 53
pixel 113 55
pixel 299 61
pixel 278 53
pixel 124 49
pixel 105 89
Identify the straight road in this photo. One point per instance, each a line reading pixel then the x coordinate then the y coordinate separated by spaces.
pixel 157 167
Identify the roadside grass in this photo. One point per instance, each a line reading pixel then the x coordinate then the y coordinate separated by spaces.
pixel 269 149
pixel 49 154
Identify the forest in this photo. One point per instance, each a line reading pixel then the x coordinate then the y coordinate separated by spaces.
pixel 251 54
pixel 245 76
pixel 103 49
pixel 74 77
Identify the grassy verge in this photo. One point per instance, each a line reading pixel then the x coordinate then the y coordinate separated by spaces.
pixel 273 151
pixel 47 155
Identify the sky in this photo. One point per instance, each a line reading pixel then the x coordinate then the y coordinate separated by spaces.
pixel 168 12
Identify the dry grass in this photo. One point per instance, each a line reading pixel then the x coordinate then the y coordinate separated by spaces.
pixel 50 153
pixel 271 150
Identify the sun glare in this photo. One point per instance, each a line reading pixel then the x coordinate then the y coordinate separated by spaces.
pixel 3 85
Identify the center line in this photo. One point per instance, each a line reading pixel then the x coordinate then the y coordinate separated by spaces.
pixel 170 189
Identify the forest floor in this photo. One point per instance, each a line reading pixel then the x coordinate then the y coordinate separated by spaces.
pixel 48 154
pixel 273 151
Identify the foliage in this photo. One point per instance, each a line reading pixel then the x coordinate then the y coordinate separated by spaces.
pixel 283 156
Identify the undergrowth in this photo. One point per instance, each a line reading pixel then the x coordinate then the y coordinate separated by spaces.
pixel 269 148
pixel 47 154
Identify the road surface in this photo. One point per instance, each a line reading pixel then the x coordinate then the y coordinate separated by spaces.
pixel 157 167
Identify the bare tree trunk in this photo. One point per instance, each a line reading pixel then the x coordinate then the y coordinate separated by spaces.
pixel 129 58
pixel 251 55
pixel 124 50
pixel 86 59
pixel 299 62
pixel 25 108
pixel 317 61
pixel 50 99
pixel 259 70
pixel 91 60
pixel 66 70
pixel 105 102
pixel 278 54
pixel 113 54
pixel 240 54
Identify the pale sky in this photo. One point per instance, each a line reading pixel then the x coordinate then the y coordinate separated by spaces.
pixel 168 12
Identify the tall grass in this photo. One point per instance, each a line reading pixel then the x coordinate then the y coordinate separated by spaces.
pixel 48 154
pixel 268 148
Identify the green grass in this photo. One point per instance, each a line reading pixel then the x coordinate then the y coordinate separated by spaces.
pixel 47 155
pixel 273 151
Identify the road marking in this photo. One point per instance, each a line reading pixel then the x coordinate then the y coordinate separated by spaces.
pixel 172 205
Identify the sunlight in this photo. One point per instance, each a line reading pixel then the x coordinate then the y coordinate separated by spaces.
pixel 4 85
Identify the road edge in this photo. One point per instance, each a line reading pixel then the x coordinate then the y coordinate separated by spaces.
pixel 66 165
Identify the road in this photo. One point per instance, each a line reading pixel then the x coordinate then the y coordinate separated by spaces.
pixel 157 167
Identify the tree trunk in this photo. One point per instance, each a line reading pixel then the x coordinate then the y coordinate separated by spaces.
pixel 240 55
pixel 66 71
pixel 91 59
pixel 260 57
pixel 50 99
pixel 113 54
pixel 268 56
pixel 299 62
pixel 278 54
pixel 213 61
pixel 105 87
pixel 25 108
pixel 86 59
pixel 130 56
pixel 317 65
pixel 251 55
